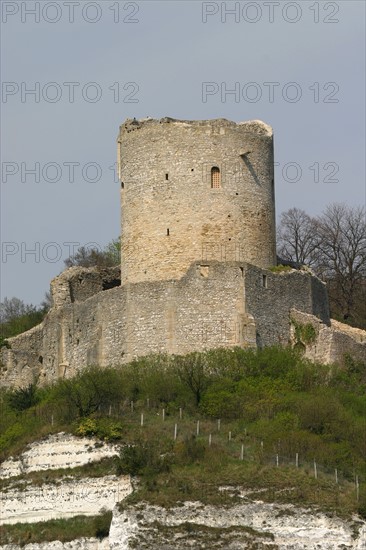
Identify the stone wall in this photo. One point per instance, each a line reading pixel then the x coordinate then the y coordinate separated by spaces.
pixel 172 217
pixel 76 284
pixel 333 342
pixel 195 260
pixel 270 297
pixel 214 305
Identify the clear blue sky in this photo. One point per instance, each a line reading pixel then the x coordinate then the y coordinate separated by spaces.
pixel 93 64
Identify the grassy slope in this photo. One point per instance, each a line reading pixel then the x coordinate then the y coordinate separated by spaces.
pixel 273 402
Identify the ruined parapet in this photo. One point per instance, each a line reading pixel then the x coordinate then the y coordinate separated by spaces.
pixel 326 343
pixel 77 284
pixel 194 190
pixel 355 333
pixel 21 360
pixel 270 296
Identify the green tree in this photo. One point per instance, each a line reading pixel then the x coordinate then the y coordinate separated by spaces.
pixel 22 399
pixel 89 390
pixel 17 317
pixel 110 256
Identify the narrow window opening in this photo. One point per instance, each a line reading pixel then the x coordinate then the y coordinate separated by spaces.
pixel 215 178
pixel 167 232
pixel 242 271
pixel 166 177
pixel 122 185
pixel 192 169
pixel 264 281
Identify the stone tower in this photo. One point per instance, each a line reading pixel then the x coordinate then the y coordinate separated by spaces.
pixel 198 237
pixel 194 191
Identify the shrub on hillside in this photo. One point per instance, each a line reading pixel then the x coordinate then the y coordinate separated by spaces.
pixel 21 399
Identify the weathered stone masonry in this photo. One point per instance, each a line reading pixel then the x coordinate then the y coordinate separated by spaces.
pixel 171 214
pixel 198 237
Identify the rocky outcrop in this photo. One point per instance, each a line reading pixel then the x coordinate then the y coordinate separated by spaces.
pixel 64 498
pixel 57 451
pixel 79 544
pixel 249 525
pixel 61 497
pixel 246 524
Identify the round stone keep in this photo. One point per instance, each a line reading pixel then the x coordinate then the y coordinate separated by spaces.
pixel 194 191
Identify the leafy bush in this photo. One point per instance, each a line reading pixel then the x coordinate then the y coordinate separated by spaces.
pixel 101 524
pixel 189 450
pixel 89 390
pixel 143 458
pixel 23 398
pixel 4 343
pixel 87 427
pixel 103 428
pixel 221 400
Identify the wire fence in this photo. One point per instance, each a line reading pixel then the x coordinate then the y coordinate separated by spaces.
pixel 179 425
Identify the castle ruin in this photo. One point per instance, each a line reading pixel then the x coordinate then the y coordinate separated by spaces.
pixel 198 248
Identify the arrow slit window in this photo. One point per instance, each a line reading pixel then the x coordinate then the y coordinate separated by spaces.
pixel 215 178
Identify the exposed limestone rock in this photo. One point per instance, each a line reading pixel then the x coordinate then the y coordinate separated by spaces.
pixel 80 544
pixel 249 525
pixel 57 451
pixel 65 498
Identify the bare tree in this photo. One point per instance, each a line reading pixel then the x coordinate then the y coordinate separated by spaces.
pixel 192 371
pixel 341 256
pixel 334 245
pixel 297 238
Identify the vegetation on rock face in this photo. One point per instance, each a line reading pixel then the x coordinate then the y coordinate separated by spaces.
pixel 273 402
pixel 63 530
pixel 304 333
pixel 280 268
